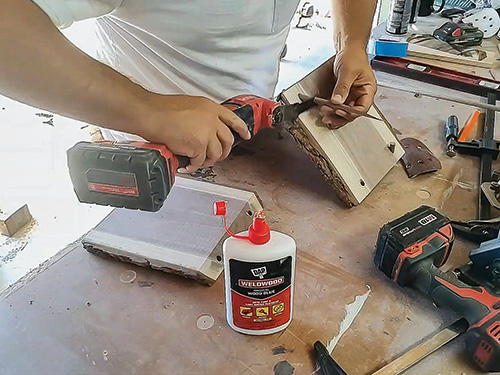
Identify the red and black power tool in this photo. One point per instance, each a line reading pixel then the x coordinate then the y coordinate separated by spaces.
pixel 411 249
pixel 140 175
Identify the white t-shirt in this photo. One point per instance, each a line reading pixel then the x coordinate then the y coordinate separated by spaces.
pixel 213 48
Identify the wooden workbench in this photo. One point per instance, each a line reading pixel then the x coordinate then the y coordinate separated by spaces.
pixel 74 315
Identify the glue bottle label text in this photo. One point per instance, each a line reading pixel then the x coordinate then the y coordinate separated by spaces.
pixel 261 293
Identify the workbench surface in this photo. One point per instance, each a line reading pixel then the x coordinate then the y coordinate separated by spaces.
pixel 74 315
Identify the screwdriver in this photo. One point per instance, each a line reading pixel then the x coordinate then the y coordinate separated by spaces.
pixel 451 135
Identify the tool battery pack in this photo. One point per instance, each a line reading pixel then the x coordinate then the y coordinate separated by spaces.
pixel 120 174
pixel 423 232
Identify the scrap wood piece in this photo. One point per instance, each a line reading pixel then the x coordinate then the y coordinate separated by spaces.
pixel 429 53
pixel 11 222
pixel 95 133
pixel 352 159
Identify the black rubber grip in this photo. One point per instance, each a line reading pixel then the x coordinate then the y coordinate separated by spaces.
pixel 183 161
pixel 446 290
pixel 325 362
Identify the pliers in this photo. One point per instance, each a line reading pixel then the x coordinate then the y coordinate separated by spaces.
pixel 284 115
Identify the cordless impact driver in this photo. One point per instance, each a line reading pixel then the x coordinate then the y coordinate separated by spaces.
pixel 140 175
pixel 411 249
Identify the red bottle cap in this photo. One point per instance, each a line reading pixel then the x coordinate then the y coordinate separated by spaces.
pixel 259 232
pixel 220 208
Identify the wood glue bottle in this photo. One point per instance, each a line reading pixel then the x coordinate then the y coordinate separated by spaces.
pixel 259 272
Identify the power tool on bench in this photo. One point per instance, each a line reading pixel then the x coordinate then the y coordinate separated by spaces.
pixel 411 249
pixel 459 34
pixel 140 175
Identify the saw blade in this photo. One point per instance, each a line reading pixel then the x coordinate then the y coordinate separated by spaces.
pixel 424 349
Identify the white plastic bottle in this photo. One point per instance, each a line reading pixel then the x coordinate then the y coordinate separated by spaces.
pixel 259 272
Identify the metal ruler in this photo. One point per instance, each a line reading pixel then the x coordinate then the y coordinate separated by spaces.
pixel 423 350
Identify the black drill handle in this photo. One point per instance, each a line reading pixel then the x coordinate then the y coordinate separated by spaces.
pixel 246 114
pixel 448 291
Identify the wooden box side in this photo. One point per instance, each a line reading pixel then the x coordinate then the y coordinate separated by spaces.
pixel 354 158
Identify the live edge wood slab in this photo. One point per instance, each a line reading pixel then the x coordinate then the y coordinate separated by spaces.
pixel 345 156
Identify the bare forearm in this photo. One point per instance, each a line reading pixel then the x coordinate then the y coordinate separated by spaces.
pixel 352 21
pixel 40 67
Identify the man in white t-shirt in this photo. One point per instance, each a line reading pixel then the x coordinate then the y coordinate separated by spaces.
pixel 165 63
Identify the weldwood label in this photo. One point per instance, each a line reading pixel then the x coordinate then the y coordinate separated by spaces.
pixel 261 283
pixel 261 293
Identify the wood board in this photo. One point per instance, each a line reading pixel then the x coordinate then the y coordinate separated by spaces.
pixel 12 221
pixel 424 52
pixel 352 159
pixel 183 237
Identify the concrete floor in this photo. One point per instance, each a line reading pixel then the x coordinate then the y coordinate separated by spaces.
pixel 33 171
pixel 33 157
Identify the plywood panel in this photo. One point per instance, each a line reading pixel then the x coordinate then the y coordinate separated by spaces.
pixel 354 158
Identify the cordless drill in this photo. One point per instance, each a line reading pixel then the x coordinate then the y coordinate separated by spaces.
pixel 411 249
pixel 140 175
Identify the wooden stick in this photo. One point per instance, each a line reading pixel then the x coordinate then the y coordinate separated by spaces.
pixel 343 107
pixel 472 103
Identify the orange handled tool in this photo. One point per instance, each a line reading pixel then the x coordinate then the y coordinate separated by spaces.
pixel 469 126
